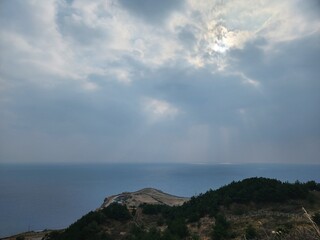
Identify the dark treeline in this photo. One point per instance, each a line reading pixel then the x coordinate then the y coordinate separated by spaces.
pixel 252 190
pixel 90 226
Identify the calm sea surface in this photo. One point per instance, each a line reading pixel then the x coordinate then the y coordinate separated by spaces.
pixel 36 197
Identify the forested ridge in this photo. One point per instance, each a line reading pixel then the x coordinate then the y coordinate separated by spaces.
pixel 165 222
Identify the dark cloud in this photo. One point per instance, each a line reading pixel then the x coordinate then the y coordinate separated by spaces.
pixel 151 11
pixel 186 36
pixel 60 111
pixel 80 32
pixel 311 8
pixel 42 123
pixel 71 25
pixel 24 21
pixel 208 98
pixel 279 117
pixel 290 89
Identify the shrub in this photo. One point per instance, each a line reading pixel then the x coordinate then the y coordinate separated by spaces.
pixel 117 212
pixel 221 229
pixel 316 218
pixel 251 232
pixel 178 227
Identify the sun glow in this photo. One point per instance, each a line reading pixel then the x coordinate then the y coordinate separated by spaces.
pixel 217 39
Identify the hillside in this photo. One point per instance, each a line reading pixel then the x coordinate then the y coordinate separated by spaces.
pixel 255 208
pixel 147 196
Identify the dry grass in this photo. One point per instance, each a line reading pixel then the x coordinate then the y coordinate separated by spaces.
pixel 314 225
pixel 146 195
pixel 275 222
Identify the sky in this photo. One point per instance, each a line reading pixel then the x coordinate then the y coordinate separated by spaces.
pixel 187 81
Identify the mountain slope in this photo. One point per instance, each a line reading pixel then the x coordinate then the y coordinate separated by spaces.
pixel 255 208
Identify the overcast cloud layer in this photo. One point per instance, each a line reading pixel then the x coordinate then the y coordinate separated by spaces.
pixel 160 81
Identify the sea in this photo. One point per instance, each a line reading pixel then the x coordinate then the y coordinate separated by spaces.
pixel 35 197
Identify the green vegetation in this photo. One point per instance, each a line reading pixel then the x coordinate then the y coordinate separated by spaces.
pixel 154 209
pixel 177 230
pixel 171 222
pixel 178 227
pixel 252 190
pixel 117 212
pixel 221 229
pixel 137 233
pixel 90 226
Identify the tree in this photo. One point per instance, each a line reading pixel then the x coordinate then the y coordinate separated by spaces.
pixel 178 227
pixel 117 211
pixel 221 229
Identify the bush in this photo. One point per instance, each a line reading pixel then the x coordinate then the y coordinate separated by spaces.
pixel 117 212
pixel 178 227
pixel 221 229
pixel 251 232
pixel 316 218
pixel 153 209
pixel 137 233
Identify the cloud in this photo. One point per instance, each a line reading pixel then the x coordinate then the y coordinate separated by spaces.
pixel 32 48
pixel 158 110
pixel 184 81
pixel 152 11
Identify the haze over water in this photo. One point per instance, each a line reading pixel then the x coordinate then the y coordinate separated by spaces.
pixel 37 197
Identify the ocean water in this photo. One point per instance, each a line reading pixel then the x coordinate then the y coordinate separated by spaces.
pixel 37 197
